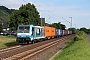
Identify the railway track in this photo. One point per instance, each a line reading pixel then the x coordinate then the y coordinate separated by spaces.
pixel 8 49
pixel 25 52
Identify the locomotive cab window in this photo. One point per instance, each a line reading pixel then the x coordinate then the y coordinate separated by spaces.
pixel 26 30
pixel 20 29
pixel 23 29
pixel 38 31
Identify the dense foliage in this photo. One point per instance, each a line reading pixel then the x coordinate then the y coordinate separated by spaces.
pixel 27 14
pixel 85 30
pixel 73 30
pixel 58 25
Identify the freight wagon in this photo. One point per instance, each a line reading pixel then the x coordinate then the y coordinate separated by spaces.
pixel 53 32
pixel 59 33
pixel 65 32
pixel 49 32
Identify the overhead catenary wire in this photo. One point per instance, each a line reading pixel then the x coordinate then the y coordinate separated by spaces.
pixel 66 20
pixel 25 1
pixel 11 2
pixel 15 3
pixel 42 11
pixel 69 21
pixel 49 17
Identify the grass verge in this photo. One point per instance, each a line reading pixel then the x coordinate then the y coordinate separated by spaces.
pixel 77 49
pixel 6 41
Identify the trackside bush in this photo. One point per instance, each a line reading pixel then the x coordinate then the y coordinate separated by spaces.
pixel 79 36
pixel 77 49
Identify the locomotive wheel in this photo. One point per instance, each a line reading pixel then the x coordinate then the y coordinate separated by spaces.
pixel 32 42
pixel 27 42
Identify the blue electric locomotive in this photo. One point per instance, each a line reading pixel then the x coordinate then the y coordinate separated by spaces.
pixel 29 33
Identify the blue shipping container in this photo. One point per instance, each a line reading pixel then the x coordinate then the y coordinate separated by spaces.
pixel 57 32
pixel 61 32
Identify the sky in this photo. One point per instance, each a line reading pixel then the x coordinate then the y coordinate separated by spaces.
pixel 58 10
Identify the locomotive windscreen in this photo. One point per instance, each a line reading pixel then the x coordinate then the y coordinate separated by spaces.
pixel 23 29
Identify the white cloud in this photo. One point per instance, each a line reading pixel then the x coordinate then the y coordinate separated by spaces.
pixel 39 4
pixel 51 4
pixel 67 11
pixel 54 13
pixel 12 3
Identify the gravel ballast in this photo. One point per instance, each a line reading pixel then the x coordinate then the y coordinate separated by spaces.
pixel 49 53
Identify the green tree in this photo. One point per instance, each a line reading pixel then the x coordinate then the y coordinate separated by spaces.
pixel 89 31
pixel 84 29
pixel 58 25
pixel 63 27
pixel 27 14
pixel 72 29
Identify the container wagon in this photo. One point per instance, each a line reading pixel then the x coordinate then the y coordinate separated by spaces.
pixel 57 32
pixel 53 32
pixel 47 31
pixel 65 32
pixel 50 32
